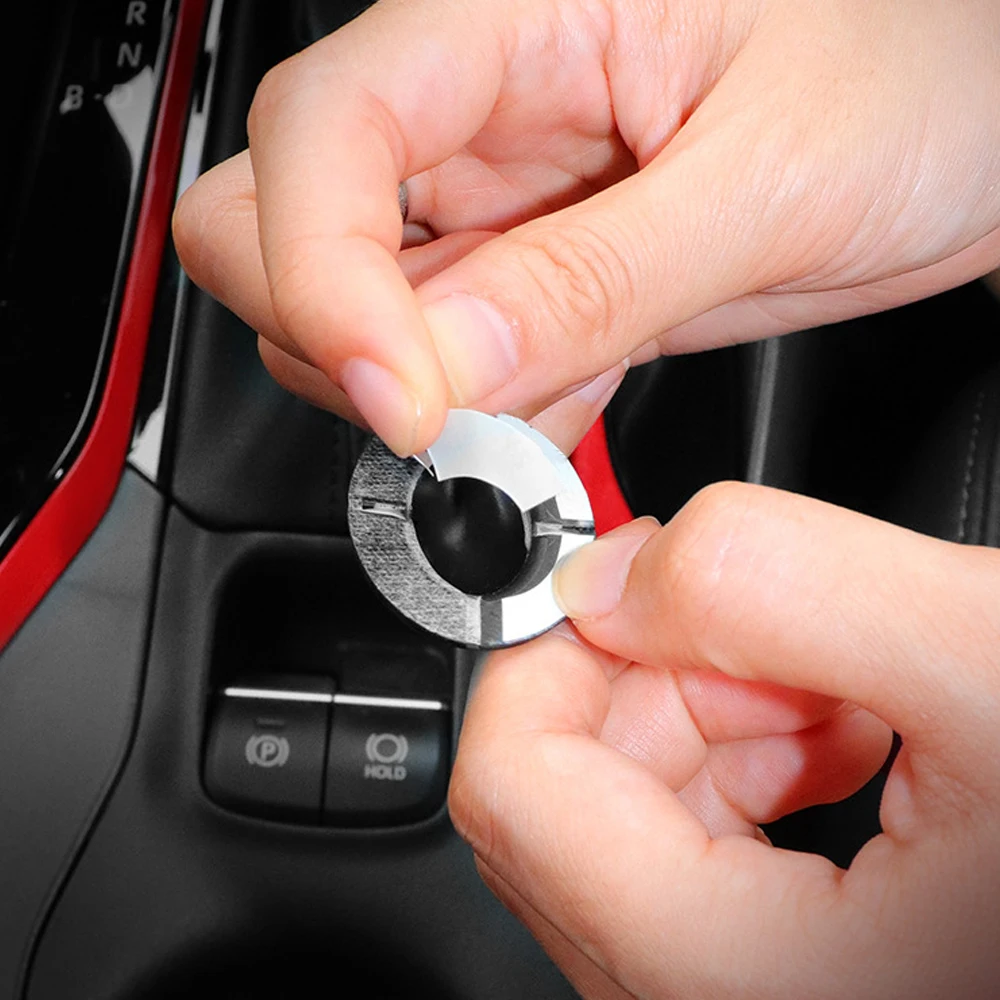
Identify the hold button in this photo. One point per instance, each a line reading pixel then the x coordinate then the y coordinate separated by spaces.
pixel 388 761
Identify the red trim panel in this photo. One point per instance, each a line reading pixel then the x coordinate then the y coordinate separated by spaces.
pixel 78 503
pixel 592 461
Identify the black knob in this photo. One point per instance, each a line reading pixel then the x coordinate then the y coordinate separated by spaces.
pixel 472 533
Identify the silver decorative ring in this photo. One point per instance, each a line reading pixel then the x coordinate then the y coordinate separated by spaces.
pixel 508 454
pixel 404 200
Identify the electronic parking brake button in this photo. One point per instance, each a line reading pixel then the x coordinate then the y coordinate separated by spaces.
pixel 266 752
pixel 387 762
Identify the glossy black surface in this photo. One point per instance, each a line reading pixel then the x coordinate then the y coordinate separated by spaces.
pixel 91 82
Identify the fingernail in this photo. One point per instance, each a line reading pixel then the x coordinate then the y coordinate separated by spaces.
pixel 590 582
pixel 603 385
pixel 476 346
pixel 389 408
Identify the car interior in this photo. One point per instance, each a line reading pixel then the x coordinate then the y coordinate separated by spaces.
pixel 223 757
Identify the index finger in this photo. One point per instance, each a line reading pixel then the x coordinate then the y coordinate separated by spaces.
pixel 333 131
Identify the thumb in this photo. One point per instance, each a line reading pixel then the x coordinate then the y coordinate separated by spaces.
pixel 765 585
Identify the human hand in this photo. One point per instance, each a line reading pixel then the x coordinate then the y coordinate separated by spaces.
pixel 742 662
pixel 606 178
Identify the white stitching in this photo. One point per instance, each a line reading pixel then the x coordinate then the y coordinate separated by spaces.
pixel 970 462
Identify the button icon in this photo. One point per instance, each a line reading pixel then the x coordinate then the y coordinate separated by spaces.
pixel 386 753
pixel 267 750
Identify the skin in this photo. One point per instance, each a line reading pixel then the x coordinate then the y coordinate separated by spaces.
pixel 593 182
pixel 741 662
pixel 608 179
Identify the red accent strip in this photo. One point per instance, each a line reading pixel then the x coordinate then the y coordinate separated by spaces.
pixel 592 461
pixel 78 503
